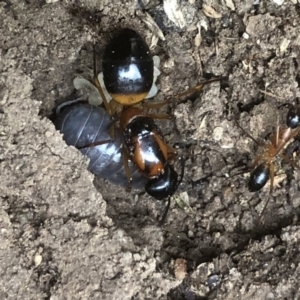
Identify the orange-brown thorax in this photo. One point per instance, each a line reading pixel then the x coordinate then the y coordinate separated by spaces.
pixel 128 114
pixel 278 141
pixel 144 141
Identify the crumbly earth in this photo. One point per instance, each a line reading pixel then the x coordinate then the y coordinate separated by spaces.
pixel 66 235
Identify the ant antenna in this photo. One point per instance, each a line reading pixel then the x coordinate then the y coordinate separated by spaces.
pixel 248 134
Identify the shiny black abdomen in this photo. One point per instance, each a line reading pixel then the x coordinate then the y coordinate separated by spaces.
pixel 127 64
pixel 293 117
pixel 259 177
pixel 82 124
pixel 163 186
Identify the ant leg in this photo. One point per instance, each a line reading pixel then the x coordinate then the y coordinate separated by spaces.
pixel 243 171
pixel 272 173
pixel 159 116
pixel 98 85
pixel 182 160
pixel 277 133
pixel 257 160
pixel 112 129
pixel 172 153
pixel 96 144
pixel 154 105
pixel 126 167
pixel 288 160
pixel 176 97
pixel 295 133
pixel 248 134
pixel 164 216
pixel 196 88
pixel 247 169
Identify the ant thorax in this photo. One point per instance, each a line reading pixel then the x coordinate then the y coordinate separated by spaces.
pixel 281 139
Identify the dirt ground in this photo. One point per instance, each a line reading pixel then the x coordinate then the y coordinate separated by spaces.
pixel 66 235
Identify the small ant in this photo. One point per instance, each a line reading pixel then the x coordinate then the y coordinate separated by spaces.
pixel 262 169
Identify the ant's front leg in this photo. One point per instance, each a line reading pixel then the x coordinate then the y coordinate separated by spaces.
pixel 128 174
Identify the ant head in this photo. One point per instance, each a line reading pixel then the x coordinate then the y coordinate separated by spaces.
pixel 164 185
pixel 293 117
pixel 259 177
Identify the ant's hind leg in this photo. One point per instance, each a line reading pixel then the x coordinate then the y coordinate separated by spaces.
pixel 288 160
pixel 165 213
pixel 248 134
pixel 247 169
pixel 126 168
pixel 177 97
pixel 195 89
pixel 98 143
pixel 172 153
pixel 159 116
pixel 154 105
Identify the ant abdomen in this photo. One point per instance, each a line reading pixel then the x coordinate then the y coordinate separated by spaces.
pixel 127 67
pixel 259 177
pixel 82 124
pixel 164 185
pixel 293 117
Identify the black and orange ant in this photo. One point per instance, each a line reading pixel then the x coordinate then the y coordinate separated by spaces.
pixel 262 168
pixel 128 77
